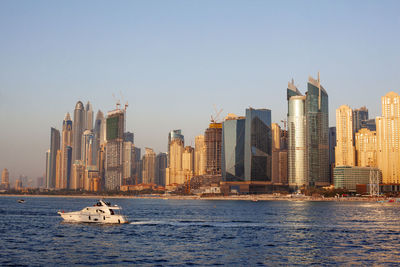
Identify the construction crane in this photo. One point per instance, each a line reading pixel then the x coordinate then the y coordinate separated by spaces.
pixel 215 118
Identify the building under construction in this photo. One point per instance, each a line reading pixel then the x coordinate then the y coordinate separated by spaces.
pixel 213 142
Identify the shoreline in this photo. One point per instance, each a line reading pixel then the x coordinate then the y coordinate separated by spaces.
pixel 254 198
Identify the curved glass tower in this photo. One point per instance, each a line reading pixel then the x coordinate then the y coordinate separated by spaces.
pixel 78 128
pixel 297 157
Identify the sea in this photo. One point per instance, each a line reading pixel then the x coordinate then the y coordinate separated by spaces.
pixel 166 232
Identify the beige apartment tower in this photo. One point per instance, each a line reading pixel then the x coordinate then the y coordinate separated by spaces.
pixel 5 179
pixel 188 163
pixel 199 155
pixel 344 151
pixel 388 138
pixel 366 148
pixel 174 174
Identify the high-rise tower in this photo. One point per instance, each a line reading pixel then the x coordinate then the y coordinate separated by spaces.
pixel 114 149
pixel 174 134
pixel 54 147
pixel 344 150
pixel 317 129
pixel 99 126
pixel 258 145
pixel 359 115
pixel 78 128
pixel 88 116
pixel 297 153
pixel 199 155
pixel 149 166
pixel 66 152
pixel 388 138
pixel 174 173
pixel 213 142
pixel 5 179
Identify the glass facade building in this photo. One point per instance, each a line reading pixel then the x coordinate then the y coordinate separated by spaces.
pixel 78 128
pixel 54 147
pixel 247 147
pixel 297 154
pixel 308 135
pixel 348 177
pixel 317 129
pixel 258 145
pixel 232 160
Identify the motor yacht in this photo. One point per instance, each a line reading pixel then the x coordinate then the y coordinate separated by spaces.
pixel 101 212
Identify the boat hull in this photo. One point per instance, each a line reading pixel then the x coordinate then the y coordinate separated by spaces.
pixel 92 218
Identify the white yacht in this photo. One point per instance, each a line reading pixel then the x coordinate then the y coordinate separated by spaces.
pixel 101 212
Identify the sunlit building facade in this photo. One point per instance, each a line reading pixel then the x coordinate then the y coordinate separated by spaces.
pixel 344 151
pixel 174 172
pixel 366 148
pixel 78 128
pixel 317 133
pixel 297 153
pixel 149 166
pixel 388 138
pixel 199 155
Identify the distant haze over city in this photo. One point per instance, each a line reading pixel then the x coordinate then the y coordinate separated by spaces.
pixel 173 61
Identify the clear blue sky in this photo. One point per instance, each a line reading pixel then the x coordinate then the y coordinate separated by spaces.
pixel 173 60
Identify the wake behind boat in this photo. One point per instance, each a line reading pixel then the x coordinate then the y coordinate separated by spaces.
pixel 101 212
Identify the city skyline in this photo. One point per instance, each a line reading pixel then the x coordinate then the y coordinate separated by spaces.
pixel 199 64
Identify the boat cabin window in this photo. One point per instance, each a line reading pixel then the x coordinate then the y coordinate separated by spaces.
pixel 111 212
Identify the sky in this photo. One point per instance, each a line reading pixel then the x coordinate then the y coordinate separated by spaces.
pixel 173 61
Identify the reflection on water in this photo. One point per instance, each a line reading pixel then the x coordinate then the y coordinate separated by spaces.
pixel 180 232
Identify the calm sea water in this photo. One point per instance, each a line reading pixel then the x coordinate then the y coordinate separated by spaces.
pixel 201 232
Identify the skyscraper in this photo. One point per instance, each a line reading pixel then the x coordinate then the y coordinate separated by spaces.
pixel 54 147
pixel 388 138
pixel 5 179
pixel 47 177
pixel 161 165
pixel 114 149
pixel 129 163
pixel 317 137
pixel 88 141
pixel 174 172
pixel 258 145
pixel 78 128
pixel 188 163
pixel 297 150
pixel 149 166
pixel 276 147
pixel 66 152
pixel 88 117
pixel 308 130
pixel 359 115
pixel 199 155
pixel 99 126
pixel 332 144
pixel 174 134
pixel 366 148
pixel 213 142
pixel 58 184
pixel 232 161
pixel 344 150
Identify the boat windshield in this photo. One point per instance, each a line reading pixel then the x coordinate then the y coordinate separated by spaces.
pixel 115 212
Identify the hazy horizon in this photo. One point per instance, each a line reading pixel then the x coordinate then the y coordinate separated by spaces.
pixel 174 60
